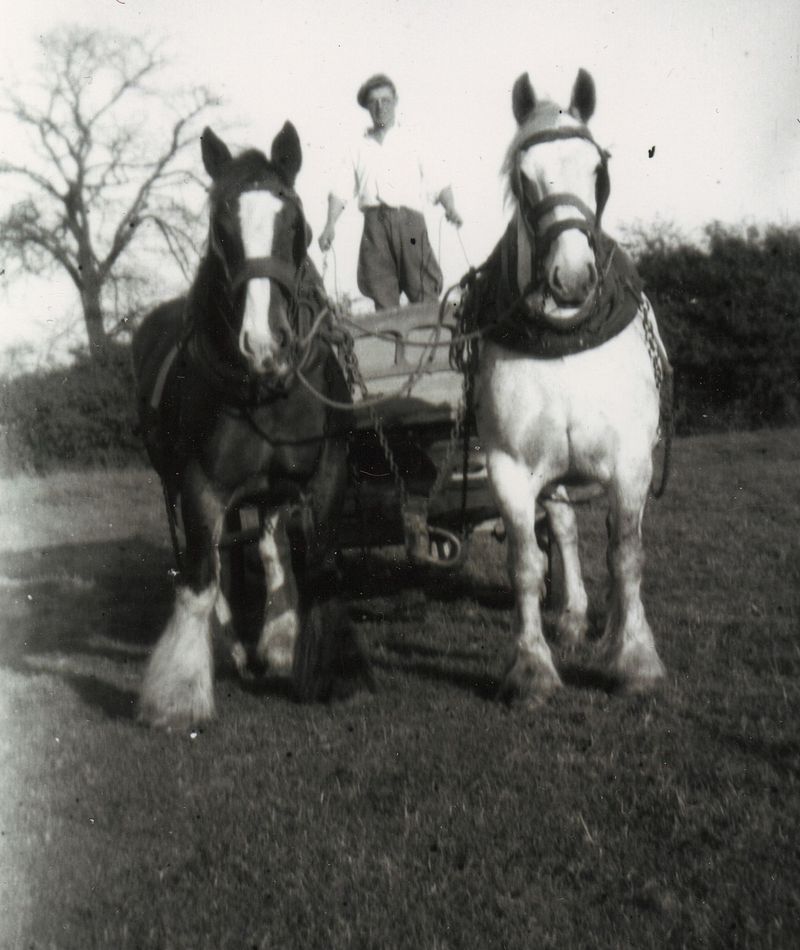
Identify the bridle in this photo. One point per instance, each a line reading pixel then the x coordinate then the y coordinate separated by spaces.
pixel 533 209
pixel 303 296
pixel 306 312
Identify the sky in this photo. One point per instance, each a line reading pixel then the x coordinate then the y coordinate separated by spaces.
pixel 698 102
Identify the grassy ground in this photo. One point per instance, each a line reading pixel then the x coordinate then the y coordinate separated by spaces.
pixel 425 815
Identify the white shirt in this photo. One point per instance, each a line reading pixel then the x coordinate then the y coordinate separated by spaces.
pixel 392 172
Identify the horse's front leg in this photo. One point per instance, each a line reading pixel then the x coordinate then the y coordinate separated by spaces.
pixel 178 685
pixel 628 646
pixel 532 675
pixel 573 603
pixel 281 621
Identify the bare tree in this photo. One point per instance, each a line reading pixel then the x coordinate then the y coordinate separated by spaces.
pixel 100 168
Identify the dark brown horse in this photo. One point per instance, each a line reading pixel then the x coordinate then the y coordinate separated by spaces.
pixel 225 418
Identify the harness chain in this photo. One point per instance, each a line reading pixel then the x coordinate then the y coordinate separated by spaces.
pixel 662 372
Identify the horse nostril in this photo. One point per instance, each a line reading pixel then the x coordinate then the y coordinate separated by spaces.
pixel 555 281
pixel 592 275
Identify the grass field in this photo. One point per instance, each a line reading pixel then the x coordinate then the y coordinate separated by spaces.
pixel 425 815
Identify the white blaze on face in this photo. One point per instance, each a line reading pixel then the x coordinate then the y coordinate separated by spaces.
pixel 258 211
pixel 565 166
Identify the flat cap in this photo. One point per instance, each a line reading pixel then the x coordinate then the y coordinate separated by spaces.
pixel 379 79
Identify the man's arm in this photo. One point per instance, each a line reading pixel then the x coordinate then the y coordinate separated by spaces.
pixel 447 201
pixel 335 209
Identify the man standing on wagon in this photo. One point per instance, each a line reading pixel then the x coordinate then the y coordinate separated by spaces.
pixel 387 174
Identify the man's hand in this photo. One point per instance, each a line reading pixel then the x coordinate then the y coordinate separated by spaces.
pixel 326 237
pixel 447 201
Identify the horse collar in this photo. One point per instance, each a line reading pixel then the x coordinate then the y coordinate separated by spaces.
pixel 514 316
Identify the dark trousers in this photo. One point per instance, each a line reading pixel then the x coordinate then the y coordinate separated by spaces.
pixel 396 257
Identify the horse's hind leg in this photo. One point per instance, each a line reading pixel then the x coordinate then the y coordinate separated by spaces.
pixel 628 646
pixel 532 675
pixel 572 623
pixel 281 623
pixel 178 684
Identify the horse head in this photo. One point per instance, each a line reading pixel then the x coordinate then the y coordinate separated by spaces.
pixel 257 243
pixel 558 176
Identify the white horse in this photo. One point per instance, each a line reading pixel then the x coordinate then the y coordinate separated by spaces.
pixel 567 388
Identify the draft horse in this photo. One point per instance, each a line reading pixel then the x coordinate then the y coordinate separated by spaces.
pixel 225 418
pixel 570 373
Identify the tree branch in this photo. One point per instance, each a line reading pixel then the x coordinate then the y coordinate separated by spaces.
pixel 88 176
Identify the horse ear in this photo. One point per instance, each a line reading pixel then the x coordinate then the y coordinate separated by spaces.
pixel 287 153
pixel 216 153
pixel 583 97
pixel 523 100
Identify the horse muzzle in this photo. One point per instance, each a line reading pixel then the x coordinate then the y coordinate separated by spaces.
pixel 572 286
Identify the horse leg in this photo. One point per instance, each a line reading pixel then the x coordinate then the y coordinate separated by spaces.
pixel 572 623
pixel 281 622
pixel 230 578
pixel 629 650
pixel 177 690
pixel 532 675
pixel 330 661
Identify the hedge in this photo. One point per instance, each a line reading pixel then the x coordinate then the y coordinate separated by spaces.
pixel 728 313
pixel 730 318
pixel 76 416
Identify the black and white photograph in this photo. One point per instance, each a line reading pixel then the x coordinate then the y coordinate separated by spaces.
pixel 399 458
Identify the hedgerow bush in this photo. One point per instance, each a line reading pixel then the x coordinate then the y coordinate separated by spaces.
pixel 76 416
pixel 730 317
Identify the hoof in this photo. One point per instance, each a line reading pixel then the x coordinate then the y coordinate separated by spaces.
pixel 638 685
pixel 350 671
pixel 637 671
pixel 330 662
pixel 184 710
pixel 241 662
pixel 278 655
pixel 530 680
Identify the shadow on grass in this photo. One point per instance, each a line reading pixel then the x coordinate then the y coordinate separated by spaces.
pixel 587 677
pixel 111 700
pixel 429 662
pixel 377 575
pixel 70 606
pixel 437 666
pixel 437 669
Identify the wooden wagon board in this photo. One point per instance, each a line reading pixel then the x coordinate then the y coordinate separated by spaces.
pixel 391 347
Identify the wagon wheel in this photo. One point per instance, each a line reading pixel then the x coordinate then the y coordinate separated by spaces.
pixel 432 546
